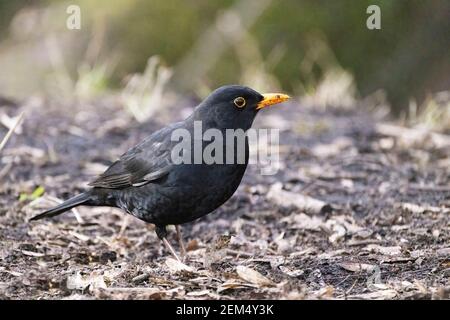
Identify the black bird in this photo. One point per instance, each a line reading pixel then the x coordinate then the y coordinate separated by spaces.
pixel 146 182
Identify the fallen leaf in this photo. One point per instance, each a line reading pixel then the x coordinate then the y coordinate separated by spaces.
pixel 326 292
pixel 380 286
pixel 79 236
pixel 390 251
pixel 232 284
pixel 11 272
pixel 291 273
pixel 342 225
pixel 376 295
pixel 192 245
pixel 415 208
pixel 339 232
pixel 356 266
pixel 304 203
pixel 303 221
pixel 32 254
pixel 176 266
pixel 253 276
pixel 443 252
pixel 331 254
pixel 79 282
pixel 199 293
pixel 130 292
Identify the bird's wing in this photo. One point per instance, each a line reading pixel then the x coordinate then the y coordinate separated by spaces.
pixel 146 162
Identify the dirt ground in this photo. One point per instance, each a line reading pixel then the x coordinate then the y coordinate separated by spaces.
pixel 358 210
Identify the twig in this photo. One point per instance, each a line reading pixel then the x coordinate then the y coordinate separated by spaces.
pixel 351 288
pixel 11 130
pixel 302 202
pixel 341 282
pixel 239 253
pixel 140 278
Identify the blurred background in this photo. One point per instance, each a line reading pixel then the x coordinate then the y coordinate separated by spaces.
pixel 319 50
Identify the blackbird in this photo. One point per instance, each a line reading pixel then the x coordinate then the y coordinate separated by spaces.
pixel 146 183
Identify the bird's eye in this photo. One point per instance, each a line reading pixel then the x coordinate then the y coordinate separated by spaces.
pixel 239 102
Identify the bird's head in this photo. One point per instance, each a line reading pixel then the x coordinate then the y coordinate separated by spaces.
pixel 234 107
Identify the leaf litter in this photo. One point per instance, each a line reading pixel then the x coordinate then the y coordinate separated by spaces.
pixel 359 211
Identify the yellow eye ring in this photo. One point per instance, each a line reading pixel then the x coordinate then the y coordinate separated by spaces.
pixel 239 102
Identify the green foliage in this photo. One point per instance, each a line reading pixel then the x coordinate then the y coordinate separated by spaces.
pixel 292 43
pixel 37 193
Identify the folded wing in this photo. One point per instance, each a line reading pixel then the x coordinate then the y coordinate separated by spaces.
pixel 144 163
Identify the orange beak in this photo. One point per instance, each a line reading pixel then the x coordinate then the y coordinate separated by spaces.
pixel 271 99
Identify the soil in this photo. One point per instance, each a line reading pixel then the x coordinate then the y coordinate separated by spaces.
pixel 384 233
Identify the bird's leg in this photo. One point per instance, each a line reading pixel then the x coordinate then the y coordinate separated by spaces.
pixel 172 251
pixel 161 232
pixel 181 242
pixel 124 226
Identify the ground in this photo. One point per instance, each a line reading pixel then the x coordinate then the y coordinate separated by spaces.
pixel 358 210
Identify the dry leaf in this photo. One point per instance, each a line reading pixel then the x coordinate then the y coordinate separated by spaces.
pixel 11 272
pixel 379 286
pixel 291 273
pixel 415 208
pixel 192 245
pixel 32 253
pixel 339 232
pixel 326 292
pixel 79 282
pixel 390 251
pixel 304 203
pixel 216 251
pixel 303 221
pixel 253 276
pixel 199 293
pixel 331 254
pixel 443 252
pixel 176 266
pixel 356 266
pixel 80 236
pixel 342 225
pixel 377 295
pixel 232 284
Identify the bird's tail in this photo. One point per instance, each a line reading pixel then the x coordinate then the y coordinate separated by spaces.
pixel 66 205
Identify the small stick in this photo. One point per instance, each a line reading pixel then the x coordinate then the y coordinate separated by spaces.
pixel 351 288
pixel 140 278
pixel 239 253
pixel 11 130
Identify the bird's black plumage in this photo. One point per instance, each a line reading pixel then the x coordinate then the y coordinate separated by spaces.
pixel 147 184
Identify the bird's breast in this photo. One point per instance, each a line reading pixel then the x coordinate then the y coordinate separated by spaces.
pixel 188 192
